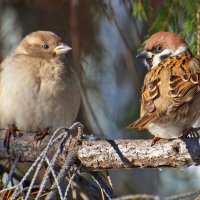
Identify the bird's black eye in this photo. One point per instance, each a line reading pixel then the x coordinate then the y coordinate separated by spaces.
pixel 46 46
pixel 158 49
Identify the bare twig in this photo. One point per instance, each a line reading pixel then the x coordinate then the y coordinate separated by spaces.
pixel 152 197
pixel 39 166
pixel 183 195
pixel 109 179
pixel 70 181
pixel 108 154
pixel 53 162
pixel 70 160
pixel 102 185
pixel 39 162
pixel 12 171
pixel 103 154
pixel 138 196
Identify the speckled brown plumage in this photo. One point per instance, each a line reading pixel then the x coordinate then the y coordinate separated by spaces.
pixel 170 95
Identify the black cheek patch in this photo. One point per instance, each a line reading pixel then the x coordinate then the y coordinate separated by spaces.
pixel 148 63
pixel 165 56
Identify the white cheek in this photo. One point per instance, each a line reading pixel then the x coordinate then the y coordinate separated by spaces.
pixel 156 61
pixel 156 58
pixel 180 50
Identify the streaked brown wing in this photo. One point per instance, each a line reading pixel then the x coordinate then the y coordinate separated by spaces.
pixel 150 92
pixel 184 81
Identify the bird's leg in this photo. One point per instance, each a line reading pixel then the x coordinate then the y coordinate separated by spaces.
pixel 10 131
pixel 192 132
pixel 155 139
pixel 41 135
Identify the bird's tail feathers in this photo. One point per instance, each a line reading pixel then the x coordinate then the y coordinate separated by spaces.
pixel 142 122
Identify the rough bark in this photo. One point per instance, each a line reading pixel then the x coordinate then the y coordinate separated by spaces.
pixel 110 154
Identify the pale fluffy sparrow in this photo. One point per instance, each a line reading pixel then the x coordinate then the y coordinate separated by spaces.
pixel 38 90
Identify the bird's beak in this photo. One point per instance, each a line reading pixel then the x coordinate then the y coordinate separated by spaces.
pixel 144 54
pixel 62 49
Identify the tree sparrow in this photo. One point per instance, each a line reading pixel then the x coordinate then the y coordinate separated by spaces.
pixel 170 94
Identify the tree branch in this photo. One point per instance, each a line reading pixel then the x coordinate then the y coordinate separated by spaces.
pixel 108 154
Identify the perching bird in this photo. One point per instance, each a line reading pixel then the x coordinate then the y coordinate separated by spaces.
pixel 171 91
pixel 38 91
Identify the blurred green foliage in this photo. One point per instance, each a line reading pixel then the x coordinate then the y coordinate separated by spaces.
pixel 174 15
pixel 141 8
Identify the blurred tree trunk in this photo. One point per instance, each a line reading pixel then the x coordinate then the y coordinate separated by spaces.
pixel 75 36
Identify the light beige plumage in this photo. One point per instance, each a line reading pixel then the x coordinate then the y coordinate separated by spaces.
pixel 171 90
pixel 37 89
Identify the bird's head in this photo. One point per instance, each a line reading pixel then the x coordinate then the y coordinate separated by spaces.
pixel 161 46
pixel 43 44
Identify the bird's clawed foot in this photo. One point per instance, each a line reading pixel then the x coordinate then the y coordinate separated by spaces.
pixel 10 131
pixel 41 135
pixel 155 139
pixel 191 133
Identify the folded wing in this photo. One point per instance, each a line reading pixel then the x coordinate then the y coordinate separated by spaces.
pixel 184 85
